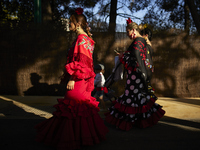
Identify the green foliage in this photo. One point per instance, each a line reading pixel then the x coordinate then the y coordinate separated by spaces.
pixel 138 5
pixel 15 12
pixel 167 14
pixel 161 14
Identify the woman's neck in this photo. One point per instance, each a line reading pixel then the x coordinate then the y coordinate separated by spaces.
pixel 138 35
pixel 81 32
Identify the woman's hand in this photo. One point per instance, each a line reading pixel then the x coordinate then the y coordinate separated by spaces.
pixel 70 85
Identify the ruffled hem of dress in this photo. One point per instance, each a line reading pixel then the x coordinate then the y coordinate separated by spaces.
pixel 72 108
pixel 134 110
pixel 144 123
pixel 70 134
pixel 73 124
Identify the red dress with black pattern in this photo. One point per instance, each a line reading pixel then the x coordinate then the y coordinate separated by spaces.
pixel 136 107
pixel 76 121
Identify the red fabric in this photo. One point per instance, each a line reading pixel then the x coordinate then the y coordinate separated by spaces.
pixel 105 90
pixel 102 89
pixel 125 125
pixel 134 110
pixel 99 88
pixel 155 117
pixel 76 121
pixel 80 62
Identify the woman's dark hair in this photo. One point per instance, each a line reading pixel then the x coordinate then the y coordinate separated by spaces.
pixel 146 31
pixel 149 32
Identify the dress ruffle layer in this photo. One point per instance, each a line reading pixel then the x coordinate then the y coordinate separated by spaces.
pixel 133 110
pixel 79 70
pixel 71 108
pixel 125 117
pixel 74 124
pixel 143 123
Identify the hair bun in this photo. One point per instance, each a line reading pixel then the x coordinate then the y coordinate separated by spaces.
pixel 141 27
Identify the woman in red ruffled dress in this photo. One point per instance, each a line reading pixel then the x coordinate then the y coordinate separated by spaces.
pixel 136 107
pixel 76 121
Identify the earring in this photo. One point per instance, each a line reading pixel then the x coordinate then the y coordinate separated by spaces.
pixel 132 36
pixel 77 29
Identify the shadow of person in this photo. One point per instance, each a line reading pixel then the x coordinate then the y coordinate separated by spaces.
pixel 39 88
pixel 57 89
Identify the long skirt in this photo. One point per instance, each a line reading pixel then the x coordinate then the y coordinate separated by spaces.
pixel 75 122
pixel 136 107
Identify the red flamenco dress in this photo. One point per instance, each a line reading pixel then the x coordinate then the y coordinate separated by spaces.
pixel 76 121
pixel 136 107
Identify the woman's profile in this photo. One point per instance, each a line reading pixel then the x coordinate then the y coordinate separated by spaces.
pixel 76 121
pixel 136 107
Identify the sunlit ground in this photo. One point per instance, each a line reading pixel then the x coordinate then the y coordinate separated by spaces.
pixel 20 107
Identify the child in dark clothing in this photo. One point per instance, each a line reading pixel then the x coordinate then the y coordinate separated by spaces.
pixel 99 83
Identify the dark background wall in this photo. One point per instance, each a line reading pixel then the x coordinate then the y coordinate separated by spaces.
pixel 31 61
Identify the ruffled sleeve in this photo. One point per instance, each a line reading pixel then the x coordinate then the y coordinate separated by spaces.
pixel 79 70
pixel 80 65
pixel 128 60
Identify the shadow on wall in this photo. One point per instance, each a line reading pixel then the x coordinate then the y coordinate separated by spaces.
pixel 40 89
pixel 41 50
pixel 42 53
pixel 175 56
pixel 176 60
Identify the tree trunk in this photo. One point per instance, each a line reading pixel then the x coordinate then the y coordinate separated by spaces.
pixel 187 17
pixel 194 14
pixel 113 16
pixel 46 12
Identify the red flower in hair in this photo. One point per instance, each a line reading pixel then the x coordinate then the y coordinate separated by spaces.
pixel 79 11
pixel 128 21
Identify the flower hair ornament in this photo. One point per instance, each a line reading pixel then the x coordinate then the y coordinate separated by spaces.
pixel 128 21
pixel 79 11
pixel 132 36
pixel 145 25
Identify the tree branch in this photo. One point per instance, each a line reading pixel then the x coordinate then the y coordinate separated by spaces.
pixel 194 14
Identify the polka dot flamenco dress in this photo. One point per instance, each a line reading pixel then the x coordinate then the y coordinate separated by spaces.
pixel 136 107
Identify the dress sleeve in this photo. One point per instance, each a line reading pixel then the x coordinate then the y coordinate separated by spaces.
pixel 139 50
pixel 128 60
pixel 81 65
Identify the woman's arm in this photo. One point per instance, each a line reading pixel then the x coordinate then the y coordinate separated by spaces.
pixel 140 54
